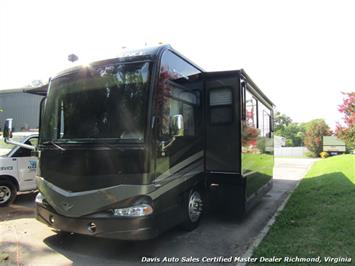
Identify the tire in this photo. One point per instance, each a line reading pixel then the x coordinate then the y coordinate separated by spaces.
pixel 7 193
pixel 194 207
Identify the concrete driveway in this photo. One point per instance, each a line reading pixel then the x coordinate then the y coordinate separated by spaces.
pixel 24 241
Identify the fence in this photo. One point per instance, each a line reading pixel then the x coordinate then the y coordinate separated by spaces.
pixel 290 151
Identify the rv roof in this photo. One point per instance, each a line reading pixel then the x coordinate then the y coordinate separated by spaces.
pixel 251 82
pixel 142 54
pixel 127 55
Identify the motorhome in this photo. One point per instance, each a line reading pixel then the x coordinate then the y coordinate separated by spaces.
pixel 130 147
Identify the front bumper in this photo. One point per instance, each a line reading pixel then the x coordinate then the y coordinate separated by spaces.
pixel 124 228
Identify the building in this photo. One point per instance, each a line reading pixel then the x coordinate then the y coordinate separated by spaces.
pixel 279 141
pixel 333 145
pixel 22 107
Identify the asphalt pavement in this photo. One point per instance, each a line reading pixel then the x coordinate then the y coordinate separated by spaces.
pixel 24 241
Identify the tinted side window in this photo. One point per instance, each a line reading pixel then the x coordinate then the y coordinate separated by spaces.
pixel 176 106
pixel 176 95
pixel 250 110
pixel 264 120
pixel 220 106
pixel 175 68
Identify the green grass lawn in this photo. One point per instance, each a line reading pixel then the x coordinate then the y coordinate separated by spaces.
pixel 319 218
pixel 262 163
pixel 291 157
pixel 259 168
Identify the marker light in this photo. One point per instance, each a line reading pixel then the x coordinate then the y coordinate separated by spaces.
pixel 39 198
pixel 134 211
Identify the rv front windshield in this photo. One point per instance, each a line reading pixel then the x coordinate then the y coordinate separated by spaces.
pixel 103 102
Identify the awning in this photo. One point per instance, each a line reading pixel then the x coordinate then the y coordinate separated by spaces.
pixel 39 90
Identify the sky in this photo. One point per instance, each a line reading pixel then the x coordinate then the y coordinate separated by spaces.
pixel 301 53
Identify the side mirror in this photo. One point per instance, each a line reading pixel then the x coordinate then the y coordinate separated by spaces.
pixel 177 126
pixel 7 133
pixel 176 129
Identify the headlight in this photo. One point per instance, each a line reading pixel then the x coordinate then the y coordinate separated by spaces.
pixel 39 198
pixel 134 211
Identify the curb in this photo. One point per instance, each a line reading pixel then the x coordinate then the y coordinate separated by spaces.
pixel 265 230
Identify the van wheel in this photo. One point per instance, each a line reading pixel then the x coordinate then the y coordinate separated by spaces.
pixel 193 210
pixel 7 193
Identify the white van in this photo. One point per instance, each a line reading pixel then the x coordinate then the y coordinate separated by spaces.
pixel 17 168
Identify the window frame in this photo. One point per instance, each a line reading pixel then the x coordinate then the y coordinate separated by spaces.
pixel 99 140
pixel 195 93
pixel 230 106
pixel 173 84
pixel 268 115
pixel 246 90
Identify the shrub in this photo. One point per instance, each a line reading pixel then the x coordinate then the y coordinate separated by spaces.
pixel 315 130
pixel 324 154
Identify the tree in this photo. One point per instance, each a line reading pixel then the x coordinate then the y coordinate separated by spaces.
pixel 346 132
pixel 281 121
pixel 36 83
pixel 293 132
pixel 313 137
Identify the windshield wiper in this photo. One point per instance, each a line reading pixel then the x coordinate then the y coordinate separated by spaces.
pixel 54 144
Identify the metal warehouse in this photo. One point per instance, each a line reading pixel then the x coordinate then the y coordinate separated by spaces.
pixel 22 107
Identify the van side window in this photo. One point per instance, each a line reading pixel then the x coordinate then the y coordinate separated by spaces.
pixel 23 152
pixel 33 141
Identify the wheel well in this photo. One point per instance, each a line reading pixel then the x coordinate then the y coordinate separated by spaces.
pixel 200 184
pixel 11 179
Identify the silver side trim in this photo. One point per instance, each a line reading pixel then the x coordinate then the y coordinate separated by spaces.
pixel 178 178
pixel 76 204
pixel 249 173
pixel 224 173
pixel 179 166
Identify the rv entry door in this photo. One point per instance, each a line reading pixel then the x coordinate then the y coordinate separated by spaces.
pixel 223 122
pixel 223 141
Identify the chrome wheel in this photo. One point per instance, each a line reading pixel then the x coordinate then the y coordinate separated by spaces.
pixel 195 206
pixel 5 194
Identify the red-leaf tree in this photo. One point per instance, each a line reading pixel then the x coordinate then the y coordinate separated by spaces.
pixel 313 138
pixel 346 131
